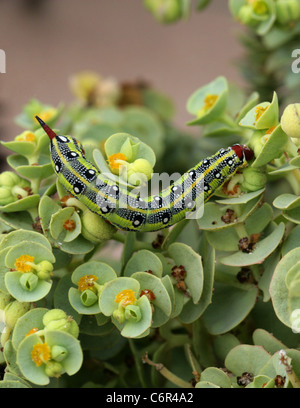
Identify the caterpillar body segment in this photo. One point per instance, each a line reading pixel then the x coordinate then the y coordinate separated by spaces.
pixel 127 210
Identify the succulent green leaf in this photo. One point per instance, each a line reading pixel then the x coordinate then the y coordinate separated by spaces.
pixel 196 102
pixel 206 384
pixel 223 343
pixel 40 170
pixel 74 358
pixel 29 369
pixel 192 262
pixel 143 260
pixel 216 376
pixel 32 319
pixel 213 219
pixel 78 246
pixel 262 250
pixel 287 201
pixel 35 249
pixel 22 204
pixel 61 301
pixel 263 338
pixel 229 307
pixel 23 148
pixel 15 237
pixel 191 311
pixel 246 358
pixel 242 199
pixel 278 288
pixel 139 329
pixel 57 224
pixel 162 302
pixel 17 290
pixel 272 148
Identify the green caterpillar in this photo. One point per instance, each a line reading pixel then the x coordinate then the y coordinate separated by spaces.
pixel 129 211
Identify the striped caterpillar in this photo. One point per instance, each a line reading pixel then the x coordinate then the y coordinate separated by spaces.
pixel 103 197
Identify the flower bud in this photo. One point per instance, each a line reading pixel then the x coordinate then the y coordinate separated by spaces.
pixel 54 369
pixel 287 11
pixel 290 120
pixel 58 353
pixel 165 11
pixel 254 179
pixel 54 314
pixel 119 315
pixel 84 84
pixel 73 328
pixel 245 15
pixel 9 179
pixel 133 313
pixel 5 299
pixel 6 196
pixel 95 228
pixel 60 325
pixel 29 281
pixel 14 310
pixel 138 172
pixel 44 270
pixel 88 298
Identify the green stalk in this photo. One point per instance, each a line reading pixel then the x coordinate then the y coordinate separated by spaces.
pixel 138 364
pixel 167 373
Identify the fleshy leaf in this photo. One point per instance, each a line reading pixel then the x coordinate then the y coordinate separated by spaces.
pixel 229 307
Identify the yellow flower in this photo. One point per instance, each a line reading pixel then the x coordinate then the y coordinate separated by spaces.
pixel 269 131
pixel 40 353
pixel 258 6
pixel 22 263
pixel 126 297
pixel 114 160
pixel 46 115
pixel 209 102
pixel 86 282
pixel 25 137
pixel 33 330
pixel 259 111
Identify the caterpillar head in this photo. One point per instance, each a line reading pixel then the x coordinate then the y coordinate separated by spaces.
pixel 243 152
pixel 68 141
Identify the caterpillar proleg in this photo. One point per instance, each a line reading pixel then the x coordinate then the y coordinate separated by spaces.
pixel 103 196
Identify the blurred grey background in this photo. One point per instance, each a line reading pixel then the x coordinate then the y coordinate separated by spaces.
pixel 48 40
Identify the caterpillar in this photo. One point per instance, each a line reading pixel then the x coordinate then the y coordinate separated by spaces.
pixel 105 198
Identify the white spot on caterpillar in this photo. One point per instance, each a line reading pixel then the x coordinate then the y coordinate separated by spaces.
pixel 76 190
pixel 62 139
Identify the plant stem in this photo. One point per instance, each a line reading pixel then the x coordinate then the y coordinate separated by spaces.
pixel 174 233
pixel 138 364
pixel 241 230
pixel 166 373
